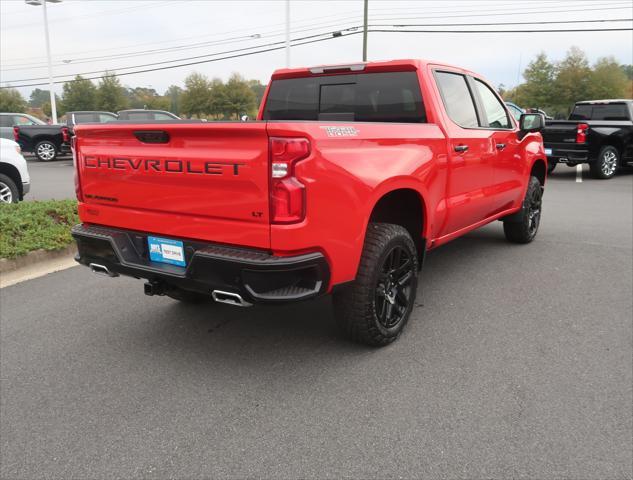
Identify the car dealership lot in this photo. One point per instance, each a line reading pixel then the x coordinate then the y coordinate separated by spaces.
pixel 517 365
pixel 51 180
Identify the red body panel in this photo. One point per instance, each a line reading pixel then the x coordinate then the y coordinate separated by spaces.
pixel 344 178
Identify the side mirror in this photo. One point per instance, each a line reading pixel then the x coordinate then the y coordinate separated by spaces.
pixel 531 122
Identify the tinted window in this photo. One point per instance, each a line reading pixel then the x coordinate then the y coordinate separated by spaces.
pixel 457 99
pixel 495 113
pixel 103 118
pixel 6 121
pixel 84 118
pixel 163 116
pixel 138 116
pixel 614 111
pixel 22 120
pixel 368 97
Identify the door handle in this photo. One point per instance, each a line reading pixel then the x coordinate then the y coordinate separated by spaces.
pixel 501 146
pixel 461 148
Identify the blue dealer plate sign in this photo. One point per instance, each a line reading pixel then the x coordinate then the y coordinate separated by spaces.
pixel 165 250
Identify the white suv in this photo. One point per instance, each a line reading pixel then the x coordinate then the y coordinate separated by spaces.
pixel 14 175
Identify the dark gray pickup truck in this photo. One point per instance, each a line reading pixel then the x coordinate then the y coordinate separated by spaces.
pixel 49 141
pixel 598 132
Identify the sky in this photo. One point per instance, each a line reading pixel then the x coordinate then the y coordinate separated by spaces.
pixel 95 35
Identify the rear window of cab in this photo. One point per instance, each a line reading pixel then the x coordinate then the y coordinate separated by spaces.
pixel 366 97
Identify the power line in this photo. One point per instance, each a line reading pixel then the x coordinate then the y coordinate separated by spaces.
pixel 510 31
pixel 182 59
pixel 252 37
pixel 504 23
pixel 184 47
pixel 196 63
pixel 310 40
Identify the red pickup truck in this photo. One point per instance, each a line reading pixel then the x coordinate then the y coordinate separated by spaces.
pixel 348 176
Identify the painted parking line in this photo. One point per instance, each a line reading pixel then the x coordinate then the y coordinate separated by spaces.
pixel 579 173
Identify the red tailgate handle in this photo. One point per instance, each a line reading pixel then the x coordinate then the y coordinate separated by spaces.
pixel 152 136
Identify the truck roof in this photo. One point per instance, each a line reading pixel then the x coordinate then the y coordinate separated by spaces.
pixel 610 100
pixel 390 65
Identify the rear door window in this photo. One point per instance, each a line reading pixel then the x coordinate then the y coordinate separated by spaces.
pixel 457 99
pixel 367 97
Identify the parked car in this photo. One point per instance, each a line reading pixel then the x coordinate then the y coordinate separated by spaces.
pixel 598 132
pixel 140 115
pixel 542 112
pixel 349 176
pixel 49 141
pixel 515 110
pixel 15 182
pixel 8 120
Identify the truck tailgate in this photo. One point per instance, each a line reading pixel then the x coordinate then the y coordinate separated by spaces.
pixel 560 132
pixel 205 181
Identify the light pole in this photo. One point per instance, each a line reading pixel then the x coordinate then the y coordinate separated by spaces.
pixel 287 33
pixel 365 15
pixel 42 3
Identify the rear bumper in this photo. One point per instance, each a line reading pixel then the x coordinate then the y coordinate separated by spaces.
pixel 567 155
pixel 256 275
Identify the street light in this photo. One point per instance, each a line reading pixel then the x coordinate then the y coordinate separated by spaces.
pixel 37 3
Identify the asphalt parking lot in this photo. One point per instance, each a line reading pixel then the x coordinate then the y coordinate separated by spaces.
pixel 51 180
pixel 517 363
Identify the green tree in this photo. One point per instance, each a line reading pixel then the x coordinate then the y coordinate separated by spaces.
pixel 539 79
pixel 11 100
pixel 146 97
pixel 174 96
pixel 39 97
pixel 196 98
pixel 48 111
pixel 79 94
pixel 572 81
pixel 111 94
pixel 608 80
pixel 258 89
pixel 217 101
pixel 240 99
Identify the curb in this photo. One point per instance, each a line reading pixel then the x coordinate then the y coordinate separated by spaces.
pixel 35 257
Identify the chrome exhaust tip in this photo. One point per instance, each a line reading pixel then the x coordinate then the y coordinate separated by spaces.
pixel 230 298
pixel 102 270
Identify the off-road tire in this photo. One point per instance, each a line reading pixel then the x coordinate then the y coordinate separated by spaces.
pixel 355 306
pixel 607 163
pixel 45 151
pixel 523 229
pixel 9 192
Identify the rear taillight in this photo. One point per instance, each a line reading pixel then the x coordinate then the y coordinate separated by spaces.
pixel 73 149
pixel 581 133
pixel 65 135
pixel 287 193
pixel 16 133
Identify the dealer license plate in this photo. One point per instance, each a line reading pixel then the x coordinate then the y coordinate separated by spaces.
pixel 166 250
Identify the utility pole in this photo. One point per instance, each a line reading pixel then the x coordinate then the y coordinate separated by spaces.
pixel 287 33
pixel 365 30
pixel 42 3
